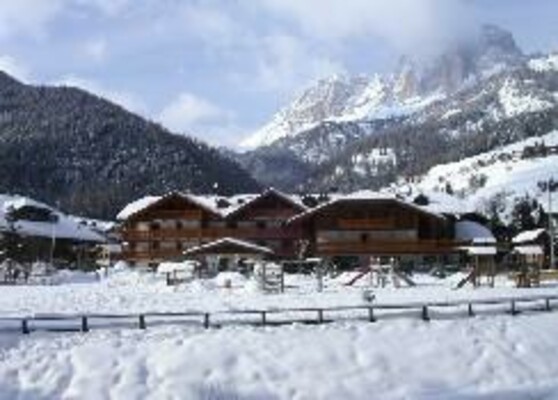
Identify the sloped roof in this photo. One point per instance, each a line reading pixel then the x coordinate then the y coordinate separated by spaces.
pixel 64 227
pixel 473 232
pixel 137 206
pixel 228 245
pixel 269 192
pixel 148 202
pixel 363 196
pixel 528 236
pixel 481 250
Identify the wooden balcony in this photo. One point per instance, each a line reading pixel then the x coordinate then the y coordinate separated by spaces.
pixel 365 224
pixel 208 233
pixel 147 255
pixel 388 247
pixel 172 214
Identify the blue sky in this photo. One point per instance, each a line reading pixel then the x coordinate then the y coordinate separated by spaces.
pixel 219 69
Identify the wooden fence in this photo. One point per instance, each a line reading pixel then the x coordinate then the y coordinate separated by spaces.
pixel 272 317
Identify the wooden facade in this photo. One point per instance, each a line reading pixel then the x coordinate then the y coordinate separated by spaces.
pixel 346 226
pixel 375 227
pixel 177 222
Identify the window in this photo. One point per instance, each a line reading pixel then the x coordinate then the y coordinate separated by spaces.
pixel 364 238
pixel 178 246
pixel 156 245
pixel 261 224
pixel 232 224
pixel 179 225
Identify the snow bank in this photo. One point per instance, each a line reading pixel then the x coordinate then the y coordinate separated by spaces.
pixel 486 358
pixel 230 279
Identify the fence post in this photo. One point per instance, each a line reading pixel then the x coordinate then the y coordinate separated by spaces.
pixel 513 310
pixel 142 324
pixel 470 311
pixel 371 316
pixel 547 305
pixel 206 321
pixel 24 327
pixel 264 318
pixel 84 325
pixel 320 316
pixel 425 316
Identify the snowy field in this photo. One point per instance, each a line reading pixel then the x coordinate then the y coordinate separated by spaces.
pixel 486 357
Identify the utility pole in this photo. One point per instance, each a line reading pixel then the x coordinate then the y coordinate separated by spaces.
pixel 550 185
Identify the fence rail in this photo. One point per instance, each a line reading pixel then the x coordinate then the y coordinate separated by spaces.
pixel 268 316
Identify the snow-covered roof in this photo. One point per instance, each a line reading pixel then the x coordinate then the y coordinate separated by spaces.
pixel 473 232
pixel 480 250
pixel 62 227
pixel 242 246
pixel 136 206
pixel 364 195
pixel 211 203
pixel 293 200
pixel 529 250
pixel 528 236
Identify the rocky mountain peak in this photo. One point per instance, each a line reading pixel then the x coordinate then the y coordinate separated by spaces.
pixel 490 50
pixel 416 83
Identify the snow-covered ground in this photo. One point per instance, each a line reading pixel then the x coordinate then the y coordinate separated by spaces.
pixel 500 175
pixel 489 356
pixel 482 358
pixel 124 292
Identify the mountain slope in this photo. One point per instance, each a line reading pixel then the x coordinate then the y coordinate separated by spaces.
pixel 414 85
pixel 86 155
pixel 474 97
pixel 496 180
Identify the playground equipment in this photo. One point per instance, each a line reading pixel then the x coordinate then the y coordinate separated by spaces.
pixel 381 274
pixel 270 277
pixel 482 265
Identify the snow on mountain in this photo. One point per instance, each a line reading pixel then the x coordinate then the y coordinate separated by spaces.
pixel 544 63
pixel 414 85
pixel 497 177
pixel 515 101
pixel 326 99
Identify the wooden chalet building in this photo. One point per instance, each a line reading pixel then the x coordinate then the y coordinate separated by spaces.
pixel 158 229
pixel 378 226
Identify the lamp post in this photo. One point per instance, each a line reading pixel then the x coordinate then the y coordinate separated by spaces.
pixel 550 186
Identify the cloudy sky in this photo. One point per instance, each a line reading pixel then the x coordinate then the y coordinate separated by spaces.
pixel 218 69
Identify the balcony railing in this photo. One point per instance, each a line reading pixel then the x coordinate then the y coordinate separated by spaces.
pixel 385 247
pixel 209 233
pixel 159 254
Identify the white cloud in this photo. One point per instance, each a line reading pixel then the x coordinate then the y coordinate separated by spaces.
pixel 108 7
pixel 126 99
pixel 31 17
pixel 405 24
pixel 284 63
pixel 193 115
pixel 14 68
pixel 27 17
pixel 96 50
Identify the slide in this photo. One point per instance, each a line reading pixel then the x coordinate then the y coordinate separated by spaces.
pixel 362 273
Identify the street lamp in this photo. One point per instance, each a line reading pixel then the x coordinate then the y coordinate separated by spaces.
pixel 550 186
